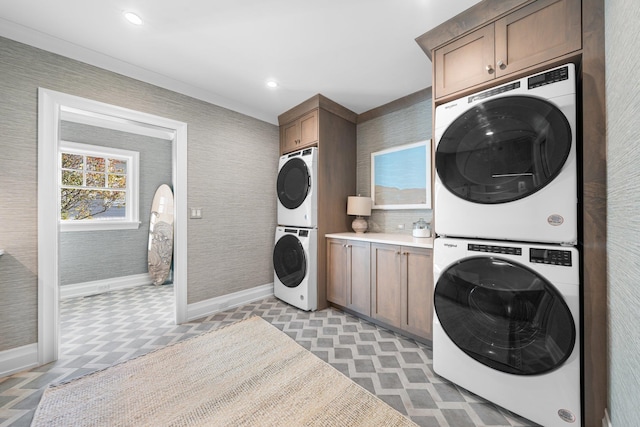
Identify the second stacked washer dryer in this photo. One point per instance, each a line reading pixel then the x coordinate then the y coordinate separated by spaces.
pixel 295 255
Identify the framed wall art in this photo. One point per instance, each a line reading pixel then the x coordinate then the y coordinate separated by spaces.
pixel 401 177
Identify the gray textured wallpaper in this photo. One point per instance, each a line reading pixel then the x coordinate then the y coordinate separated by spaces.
pixel 232 165
pixel 622 39
pixel 406 126
pixel 122 252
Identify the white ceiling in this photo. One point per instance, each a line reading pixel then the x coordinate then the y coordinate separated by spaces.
pixel 359 53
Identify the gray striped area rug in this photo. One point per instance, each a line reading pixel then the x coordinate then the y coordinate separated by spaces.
pixel 245 374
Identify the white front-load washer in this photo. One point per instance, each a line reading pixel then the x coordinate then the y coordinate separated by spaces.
pixel 297 188
pixel 295 267
pixel 507 325
pixel 506 164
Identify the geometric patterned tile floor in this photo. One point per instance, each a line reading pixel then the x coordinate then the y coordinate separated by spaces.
pixel 101 330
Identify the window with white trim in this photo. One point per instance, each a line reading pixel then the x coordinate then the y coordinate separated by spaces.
pixel 98 187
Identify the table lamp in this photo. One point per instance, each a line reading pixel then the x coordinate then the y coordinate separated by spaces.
pixel 359 206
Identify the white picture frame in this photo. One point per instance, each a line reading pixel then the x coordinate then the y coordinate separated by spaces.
pixel 401 177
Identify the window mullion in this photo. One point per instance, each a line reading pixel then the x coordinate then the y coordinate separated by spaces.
pixel 107 164
pixel 84 171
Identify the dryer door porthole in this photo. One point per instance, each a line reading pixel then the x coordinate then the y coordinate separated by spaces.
pixel 503 149
pixel 289 261
pixel 293 183
pixel 505 315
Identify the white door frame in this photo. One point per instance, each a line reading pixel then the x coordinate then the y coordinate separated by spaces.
pixel 51 106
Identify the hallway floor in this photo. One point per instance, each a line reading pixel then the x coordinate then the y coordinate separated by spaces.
pixel 101 330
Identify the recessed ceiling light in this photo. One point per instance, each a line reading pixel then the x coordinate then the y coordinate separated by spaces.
pixel 272 83
pixel 133 18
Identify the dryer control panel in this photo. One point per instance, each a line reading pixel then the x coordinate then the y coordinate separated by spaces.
pixel 550 256
pixel 548 78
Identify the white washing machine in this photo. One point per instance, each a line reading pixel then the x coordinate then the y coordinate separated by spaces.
pixel 507 325
pixel 506 161
pixel 295 267
pixel 297 188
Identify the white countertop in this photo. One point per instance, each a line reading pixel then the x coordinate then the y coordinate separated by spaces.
pixel 389 238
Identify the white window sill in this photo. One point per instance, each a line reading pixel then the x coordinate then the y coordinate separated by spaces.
pixel 99 225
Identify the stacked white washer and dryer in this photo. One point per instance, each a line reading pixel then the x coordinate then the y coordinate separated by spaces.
pixel 295 251
pixel 506 265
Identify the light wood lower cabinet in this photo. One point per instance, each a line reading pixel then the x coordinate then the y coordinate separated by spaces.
pixel 402 287
pixel 386 284
pixel 417 299
pixel 389 283
pixel 348 274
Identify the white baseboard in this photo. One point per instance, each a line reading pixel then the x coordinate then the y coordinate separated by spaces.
pixel 606 421
pixel 18 359
pixel 236 299
pixel 102 286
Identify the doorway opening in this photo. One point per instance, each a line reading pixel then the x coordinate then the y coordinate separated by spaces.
pixel 55 107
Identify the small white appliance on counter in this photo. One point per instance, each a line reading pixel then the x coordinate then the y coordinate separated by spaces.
pixel 295 267
pixel 421 229
pixel 506 164
pixel 507 325
pixel 297 190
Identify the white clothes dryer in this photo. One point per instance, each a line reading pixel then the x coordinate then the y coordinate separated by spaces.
pixel 295 267
pixel 506 161
pixel 297 188
pixel 507 325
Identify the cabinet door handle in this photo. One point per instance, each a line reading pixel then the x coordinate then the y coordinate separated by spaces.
pixel 501 64
pixel 489 69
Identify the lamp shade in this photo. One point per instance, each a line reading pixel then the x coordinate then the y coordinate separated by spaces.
pixel 359 205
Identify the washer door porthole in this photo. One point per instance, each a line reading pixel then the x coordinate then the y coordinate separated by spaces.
pixel 289 261
pixel 505 315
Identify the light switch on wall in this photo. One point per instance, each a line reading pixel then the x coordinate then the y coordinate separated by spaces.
pixel 196 213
